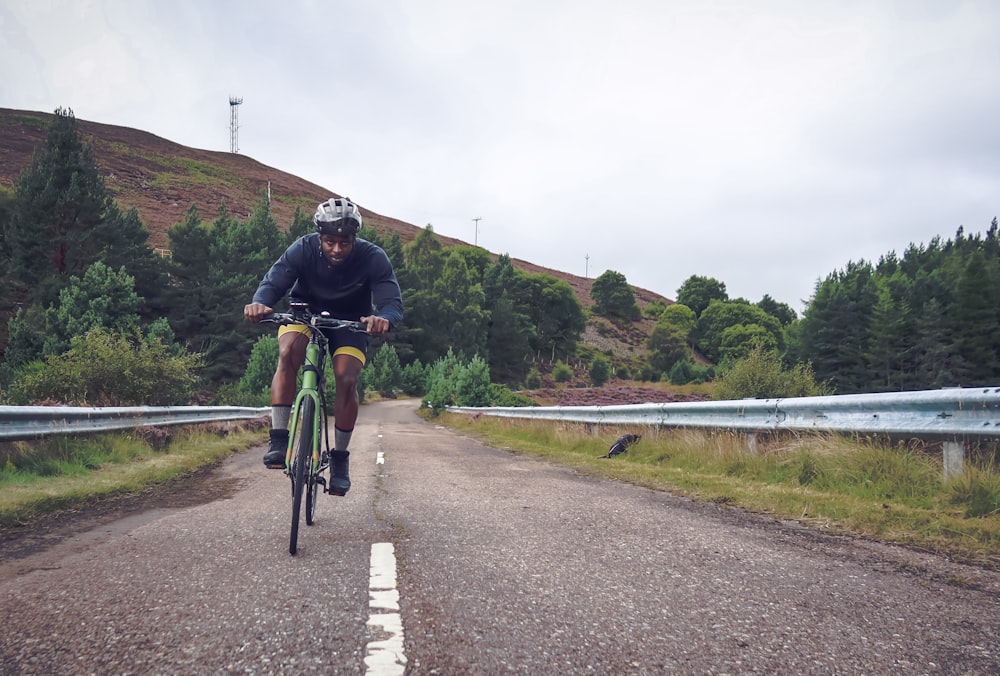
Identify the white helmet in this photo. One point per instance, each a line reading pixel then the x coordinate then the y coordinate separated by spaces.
pixel 337 216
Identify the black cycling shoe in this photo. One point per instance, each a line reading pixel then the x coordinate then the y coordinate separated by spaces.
pixel 340 480
pixel 275 456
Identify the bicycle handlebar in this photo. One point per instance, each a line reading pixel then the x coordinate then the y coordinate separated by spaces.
pixel 315 321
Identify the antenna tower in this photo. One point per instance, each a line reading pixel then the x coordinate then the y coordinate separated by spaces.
pixel 234 123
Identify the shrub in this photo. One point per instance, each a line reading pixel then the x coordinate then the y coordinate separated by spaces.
pixel 384 374
pixel 472 383
pixel 600 371
pixel 104 368
pixel 414 379
pixel 561 372
pixel 501 395
pixel 760 375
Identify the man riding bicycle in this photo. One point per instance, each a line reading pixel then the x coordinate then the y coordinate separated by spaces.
pixel 331 270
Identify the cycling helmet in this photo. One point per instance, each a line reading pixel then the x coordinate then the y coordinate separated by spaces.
pixel 337 216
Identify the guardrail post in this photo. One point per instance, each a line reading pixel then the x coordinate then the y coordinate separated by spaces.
pixel 954 458
pixel 751 442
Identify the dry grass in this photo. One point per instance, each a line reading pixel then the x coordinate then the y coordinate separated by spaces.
pixel 890 493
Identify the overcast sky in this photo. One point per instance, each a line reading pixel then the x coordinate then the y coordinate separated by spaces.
pixel 763 143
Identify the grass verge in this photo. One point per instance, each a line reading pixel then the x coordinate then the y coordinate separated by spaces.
pixel 58 473
pixel 888 493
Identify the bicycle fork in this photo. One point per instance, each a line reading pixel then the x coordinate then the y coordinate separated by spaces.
pixel 311 388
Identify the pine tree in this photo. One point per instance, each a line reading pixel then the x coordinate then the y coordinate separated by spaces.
pixel 975 310
pixel 60 203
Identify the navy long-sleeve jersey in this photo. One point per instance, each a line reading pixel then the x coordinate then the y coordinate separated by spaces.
pixel 348 290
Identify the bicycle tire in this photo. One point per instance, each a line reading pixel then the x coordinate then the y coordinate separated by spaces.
pixel 301 467
pixel 312 490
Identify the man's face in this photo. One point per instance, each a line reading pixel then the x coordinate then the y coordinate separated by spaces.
pixel 336 248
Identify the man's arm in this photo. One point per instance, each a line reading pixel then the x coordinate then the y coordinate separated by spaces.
pixel 277 281
pixel 386 296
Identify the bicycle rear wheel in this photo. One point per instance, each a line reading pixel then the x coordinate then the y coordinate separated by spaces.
pixel 302 467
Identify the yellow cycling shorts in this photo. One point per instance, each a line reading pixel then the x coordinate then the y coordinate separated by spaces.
pixel 341 341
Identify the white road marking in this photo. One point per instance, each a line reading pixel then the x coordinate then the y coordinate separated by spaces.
pixel 384 656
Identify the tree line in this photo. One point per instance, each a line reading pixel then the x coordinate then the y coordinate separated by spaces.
pixel 81 279
pixel 74 263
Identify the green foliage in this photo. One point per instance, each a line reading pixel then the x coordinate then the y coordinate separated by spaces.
pixel 738 340
pixel 452 381
pixel 501 395
pixel 555 313
pixel 472 383
pixel 667 345
pixel 102 298
pixel 59 204
pixel 613 297
pixel 533 379
pixel 679 317
pixel 385 374
pixel 103 368
pixel 697 292
pixel 926 320
pixel 780 311
pixel 687 371
pixel 441 382
pixel 561 372
pixel 255 385
pixel 26 337
pixel 977 490
pixel 654 309
pixel 216 268
pixel 413 380
pixel 760 375
pixel 722 315
pixel 600 371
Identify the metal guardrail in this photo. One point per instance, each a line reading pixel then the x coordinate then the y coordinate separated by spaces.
pixel 926 414
pixel 34 422
pixel 949 415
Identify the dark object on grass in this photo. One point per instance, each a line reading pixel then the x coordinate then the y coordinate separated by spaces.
pixel 621 445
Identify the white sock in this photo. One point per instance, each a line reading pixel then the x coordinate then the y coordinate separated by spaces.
pixel 341 439
pixel 280 416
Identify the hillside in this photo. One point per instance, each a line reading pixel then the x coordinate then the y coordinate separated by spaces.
pixel 162 179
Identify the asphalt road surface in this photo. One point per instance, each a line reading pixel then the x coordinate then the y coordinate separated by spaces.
pixel 449 557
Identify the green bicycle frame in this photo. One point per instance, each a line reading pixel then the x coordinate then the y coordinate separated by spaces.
pixel 312 370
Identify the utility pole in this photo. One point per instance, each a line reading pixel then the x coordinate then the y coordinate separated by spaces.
pixel 234 123
pixel 477 219
pixel 586 267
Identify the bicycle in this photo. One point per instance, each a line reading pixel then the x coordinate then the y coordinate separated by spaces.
pixel 305 462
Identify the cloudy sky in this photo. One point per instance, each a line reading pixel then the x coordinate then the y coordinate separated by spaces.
pixel 764 143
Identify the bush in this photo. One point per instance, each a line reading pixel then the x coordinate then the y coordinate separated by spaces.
pixel 255 385
pixel 384 374
pixel 561 372
pixel 533 380
pixel 501 395
pixel 760 375
pixel 472 383
pixel 600 371
pixel 103 368
pixel 414 379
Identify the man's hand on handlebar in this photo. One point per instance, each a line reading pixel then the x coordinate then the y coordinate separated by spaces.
pixel 254 312
pixel 376 325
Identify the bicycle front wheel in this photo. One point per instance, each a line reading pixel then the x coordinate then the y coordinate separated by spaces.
pixel 302 467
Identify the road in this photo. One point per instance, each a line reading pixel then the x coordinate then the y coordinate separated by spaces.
pixel 449 557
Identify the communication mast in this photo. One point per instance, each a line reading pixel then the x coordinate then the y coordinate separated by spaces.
pixel 234 123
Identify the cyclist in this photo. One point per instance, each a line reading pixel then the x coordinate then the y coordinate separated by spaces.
pixel 331 270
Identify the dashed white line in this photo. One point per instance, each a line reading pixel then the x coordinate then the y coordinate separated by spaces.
pixel 385 655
